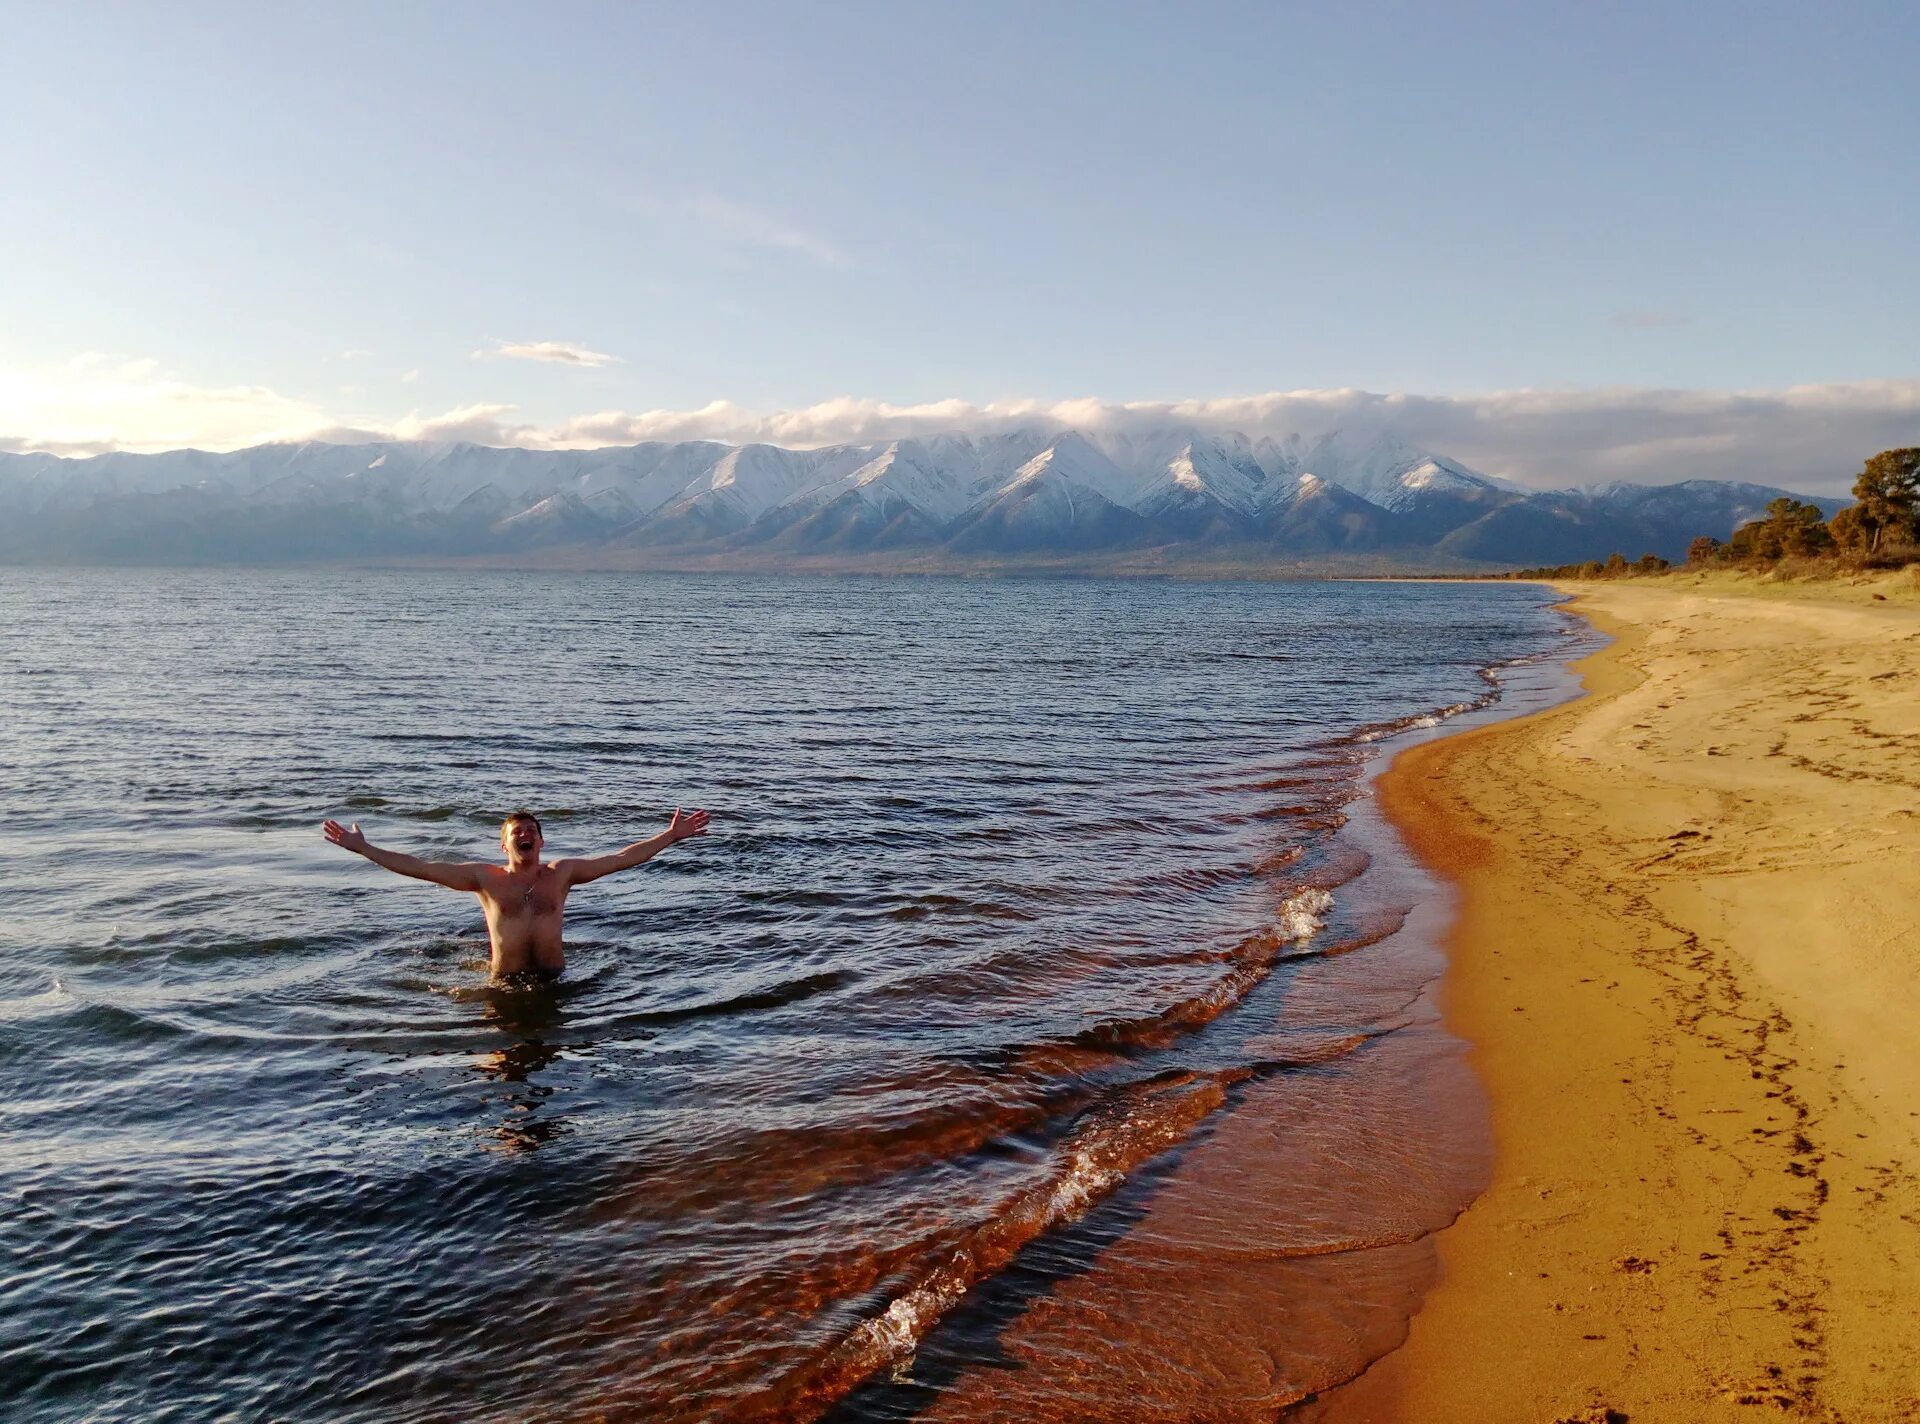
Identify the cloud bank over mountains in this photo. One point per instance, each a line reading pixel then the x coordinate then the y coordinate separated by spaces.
pixel 1810 437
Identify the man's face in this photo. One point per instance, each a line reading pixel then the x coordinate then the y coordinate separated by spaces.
pixel 520 839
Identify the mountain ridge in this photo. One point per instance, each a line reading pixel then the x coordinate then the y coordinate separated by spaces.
pixel 1181 494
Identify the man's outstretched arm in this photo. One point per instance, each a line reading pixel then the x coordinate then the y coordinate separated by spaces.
pixel 686 824
pixel 463 875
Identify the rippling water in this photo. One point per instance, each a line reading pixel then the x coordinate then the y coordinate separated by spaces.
pixel 1027 1040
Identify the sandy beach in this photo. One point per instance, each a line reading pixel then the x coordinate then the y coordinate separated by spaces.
pixel 1688 962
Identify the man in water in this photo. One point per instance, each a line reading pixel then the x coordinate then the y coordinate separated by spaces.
pixel 525 899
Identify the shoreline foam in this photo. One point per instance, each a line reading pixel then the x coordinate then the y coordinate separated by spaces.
pixel 1686 961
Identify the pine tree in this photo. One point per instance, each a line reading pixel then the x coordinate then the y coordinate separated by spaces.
pixel 1847 530
pixel 1888 493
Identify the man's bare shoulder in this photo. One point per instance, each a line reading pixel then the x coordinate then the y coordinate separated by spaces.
pixel 487 875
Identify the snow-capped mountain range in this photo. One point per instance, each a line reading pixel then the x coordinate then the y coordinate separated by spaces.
pixel 1026 493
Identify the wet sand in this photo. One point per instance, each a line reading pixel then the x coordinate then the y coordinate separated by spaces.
pixel 1688 961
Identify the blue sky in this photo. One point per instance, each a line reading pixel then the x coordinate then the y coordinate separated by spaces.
pixel 777 205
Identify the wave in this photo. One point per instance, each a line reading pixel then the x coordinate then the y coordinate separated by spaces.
pixel 1110 1141
pixel 1378 731
pixel 774 996
pixel 1024 1088
pixel 933 905
pixel 1304 915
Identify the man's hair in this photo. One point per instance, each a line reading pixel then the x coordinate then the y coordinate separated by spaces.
pixel 522 816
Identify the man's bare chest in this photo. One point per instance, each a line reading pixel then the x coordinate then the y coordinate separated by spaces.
pixel 536 898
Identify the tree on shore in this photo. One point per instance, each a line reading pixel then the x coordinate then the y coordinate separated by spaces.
pixel 1849 532
pixel 1789 528
pixel 1703 550
pixel 1887 495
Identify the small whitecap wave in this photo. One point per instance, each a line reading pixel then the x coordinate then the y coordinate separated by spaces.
pixel 1425 719
pixel 1434 719
pixel 1303 915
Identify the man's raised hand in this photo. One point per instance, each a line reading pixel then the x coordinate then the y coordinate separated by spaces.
pixel 687 824
pixel 349 837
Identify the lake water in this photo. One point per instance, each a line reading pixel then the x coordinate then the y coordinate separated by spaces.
pixel 1042 1032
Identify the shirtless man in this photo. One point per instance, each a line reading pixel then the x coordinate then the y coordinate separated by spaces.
pixel 524 899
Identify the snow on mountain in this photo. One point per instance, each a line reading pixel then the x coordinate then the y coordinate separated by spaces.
pixel 1028 490
pixel 937 479
pixel 742 486
pixel 557 519
pixel 651 475
pixel 1203 472
pixel 1309 515
pixel 1381 467
pixel 46 483
pixel 442 476
pixel 1369 463
pixel 1302 489
pixel 1069 495
pixel 1282 460
pixel 748 481
pixel 946 474
pixel 1072 464
pixel 893 478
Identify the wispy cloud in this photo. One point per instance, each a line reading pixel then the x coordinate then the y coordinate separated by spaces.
pixel 1811 437
pixel 564 353
pixel 407 378
pixel 744 225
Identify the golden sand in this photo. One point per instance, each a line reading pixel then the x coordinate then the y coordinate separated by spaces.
pixel 1688 959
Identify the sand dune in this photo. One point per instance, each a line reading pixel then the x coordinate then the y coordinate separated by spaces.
pixel 1689 963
